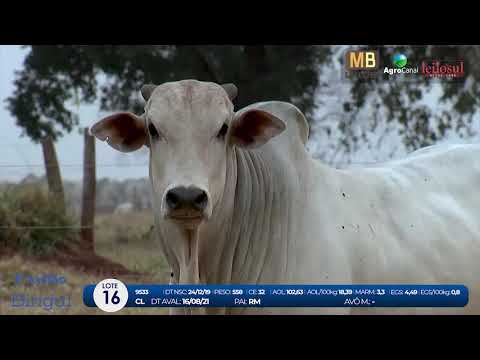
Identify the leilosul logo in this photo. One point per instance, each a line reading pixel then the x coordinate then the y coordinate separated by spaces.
pixel 400 62
pixel 444 69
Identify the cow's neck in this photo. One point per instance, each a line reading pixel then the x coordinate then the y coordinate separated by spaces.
pixel 247 239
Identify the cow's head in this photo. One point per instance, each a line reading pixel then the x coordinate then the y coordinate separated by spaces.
pixel 188 126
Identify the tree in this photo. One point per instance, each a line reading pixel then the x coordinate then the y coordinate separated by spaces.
pixel 401 101
pixel 52 75
pixel 52 170
pixel 42 88
pixel 89 188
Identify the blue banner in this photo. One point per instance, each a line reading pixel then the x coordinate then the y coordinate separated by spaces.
pixel 289 296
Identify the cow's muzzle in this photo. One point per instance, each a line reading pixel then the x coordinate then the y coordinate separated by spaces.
pixel 186 204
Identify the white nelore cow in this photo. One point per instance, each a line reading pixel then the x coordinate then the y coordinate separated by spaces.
pixel 238 199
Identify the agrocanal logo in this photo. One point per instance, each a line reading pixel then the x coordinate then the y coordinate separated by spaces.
pixel 400 62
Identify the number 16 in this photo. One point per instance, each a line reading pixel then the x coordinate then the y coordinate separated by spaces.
pixel 115 298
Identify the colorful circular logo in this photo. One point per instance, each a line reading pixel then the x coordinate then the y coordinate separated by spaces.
pixel 400 60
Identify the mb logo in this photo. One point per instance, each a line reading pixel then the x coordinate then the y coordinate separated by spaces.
pixel 362 60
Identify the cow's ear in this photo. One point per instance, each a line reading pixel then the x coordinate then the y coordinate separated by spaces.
pixel 254 127
pixel 123 131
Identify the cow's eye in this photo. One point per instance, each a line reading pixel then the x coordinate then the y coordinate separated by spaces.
pixel 153 131
pixel 222 132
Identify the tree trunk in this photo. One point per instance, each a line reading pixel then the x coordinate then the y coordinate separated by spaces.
pixel 257 69
pixel 88 200
pixel 209 68
pixel 256 59
pixel 55 186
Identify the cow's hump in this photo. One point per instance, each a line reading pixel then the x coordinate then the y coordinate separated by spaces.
pixel 294 119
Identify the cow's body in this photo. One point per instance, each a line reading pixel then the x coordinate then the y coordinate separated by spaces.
pixel 282 217
pixel 416 220
pixel 295 220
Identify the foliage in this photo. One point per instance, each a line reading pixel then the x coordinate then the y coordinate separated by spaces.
pixel 54 75
pixel 31 222
pixel 402 101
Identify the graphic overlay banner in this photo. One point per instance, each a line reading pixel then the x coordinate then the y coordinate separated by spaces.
pixel 278 295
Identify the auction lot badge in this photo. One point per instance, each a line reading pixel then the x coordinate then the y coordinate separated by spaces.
pixel 110 295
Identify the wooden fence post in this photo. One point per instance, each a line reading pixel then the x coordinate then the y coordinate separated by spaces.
pixel 88 199
pixel 52 170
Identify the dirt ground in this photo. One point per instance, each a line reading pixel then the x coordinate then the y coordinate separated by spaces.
pixel 122 251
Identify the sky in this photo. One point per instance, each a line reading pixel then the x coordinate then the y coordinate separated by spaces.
pixel 20 156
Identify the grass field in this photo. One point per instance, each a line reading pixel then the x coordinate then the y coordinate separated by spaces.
pixel 123 238
pixel 128 240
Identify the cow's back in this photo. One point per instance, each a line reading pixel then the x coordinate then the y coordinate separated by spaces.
pixel 419 219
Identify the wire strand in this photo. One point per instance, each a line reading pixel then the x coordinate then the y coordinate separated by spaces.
pixel 47 227
pixel 146 164
pixel 73 165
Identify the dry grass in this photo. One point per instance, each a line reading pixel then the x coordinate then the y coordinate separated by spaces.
pixel 123 238
pixel 127 239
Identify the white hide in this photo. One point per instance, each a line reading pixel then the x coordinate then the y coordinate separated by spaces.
pixel 410 221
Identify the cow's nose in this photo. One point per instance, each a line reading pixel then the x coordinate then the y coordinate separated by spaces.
pixel 183 197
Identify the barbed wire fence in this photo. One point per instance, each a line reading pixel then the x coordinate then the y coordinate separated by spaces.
pixel 104 165
pixel 336 164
